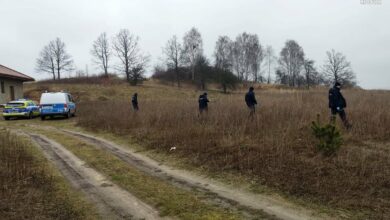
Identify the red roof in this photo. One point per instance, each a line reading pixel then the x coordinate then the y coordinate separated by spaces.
pixel 10 73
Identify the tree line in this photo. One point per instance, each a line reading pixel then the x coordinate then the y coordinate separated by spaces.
pixel 124 45
pixel 244 59
pixel 250 61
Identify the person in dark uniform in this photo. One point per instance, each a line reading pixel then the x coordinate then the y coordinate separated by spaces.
pixel 203 103
pixel 134 101
pixel 251 102
pixel 337 104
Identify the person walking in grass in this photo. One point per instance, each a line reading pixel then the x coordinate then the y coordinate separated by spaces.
pixel 203 103
pixel 134 101
pixel 251 102
pixel 337 104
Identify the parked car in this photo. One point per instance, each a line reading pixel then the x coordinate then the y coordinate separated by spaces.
pixel 57 103
pixel 20 108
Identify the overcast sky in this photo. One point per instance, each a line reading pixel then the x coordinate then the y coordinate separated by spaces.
pixel 360 31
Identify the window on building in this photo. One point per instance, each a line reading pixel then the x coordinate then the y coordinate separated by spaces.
pixel 2 87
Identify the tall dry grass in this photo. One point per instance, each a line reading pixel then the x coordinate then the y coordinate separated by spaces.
pixel 276 148
pixel 28 190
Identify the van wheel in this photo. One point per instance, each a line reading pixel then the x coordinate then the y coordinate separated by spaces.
pixel 43 118
pixel 6 118
pixel 68 115
pixel 30 115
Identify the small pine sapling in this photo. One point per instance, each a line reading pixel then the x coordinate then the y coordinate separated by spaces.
pixel 328 135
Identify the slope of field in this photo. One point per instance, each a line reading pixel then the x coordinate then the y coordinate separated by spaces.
pixel 275 149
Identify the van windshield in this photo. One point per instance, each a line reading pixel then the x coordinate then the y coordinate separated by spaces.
pixel 15 104
pixel 53 98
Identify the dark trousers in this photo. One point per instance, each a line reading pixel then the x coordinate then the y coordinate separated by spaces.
pixel 342 115
pixel 252 110
pixel 203 109
pixel 135 106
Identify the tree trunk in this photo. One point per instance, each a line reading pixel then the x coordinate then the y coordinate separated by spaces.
pixel 269 71
pixel 177 75
pixel 53 72
pixel 127 71
pixel 307 81
pixel 193 73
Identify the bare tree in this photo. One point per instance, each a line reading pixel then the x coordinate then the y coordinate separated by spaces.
pixel 247 56
pixel 269 61
pixel 172 52
pixel 101 52
pixel 338 69
pixel 291 62
pixel 202 67
pixel 239 55
pixel 223 53
pixel 45 63
pixel 54 59
pixel 192 49
pixel 133 62
pixel 63 61
pixel 255 56
pixel 309 72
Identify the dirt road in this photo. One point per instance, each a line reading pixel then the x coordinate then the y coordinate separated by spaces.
pixel 280 209
pixel 111 201
pixel 116 202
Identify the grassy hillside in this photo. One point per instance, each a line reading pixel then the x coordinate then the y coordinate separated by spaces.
pixel 276 148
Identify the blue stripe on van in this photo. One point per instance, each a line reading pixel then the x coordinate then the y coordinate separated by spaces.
pixel 53 108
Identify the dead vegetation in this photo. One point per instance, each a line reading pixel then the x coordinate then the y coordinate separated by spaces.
pixel 30 189
pixel 276 148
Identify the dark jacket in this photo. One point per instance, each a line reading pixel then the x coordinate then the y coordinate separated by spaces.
pixel 203 101
pixel 250 99
pixel 134 100
pixel 336 99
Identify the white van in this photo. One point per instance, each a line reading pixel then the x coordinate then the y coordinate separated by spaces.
pixel 57 103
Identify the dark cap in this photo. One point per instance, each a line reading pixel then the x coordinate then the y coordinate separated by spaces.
pixel 337 84
pixel 251 88
pixel 205 93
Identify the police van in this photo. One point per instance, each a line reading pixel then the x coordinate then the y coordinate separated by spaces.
pixel 57 104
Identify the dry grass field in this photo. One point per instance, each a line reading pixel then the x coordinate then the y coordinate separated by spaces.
pixel 276 148
pixel 31 189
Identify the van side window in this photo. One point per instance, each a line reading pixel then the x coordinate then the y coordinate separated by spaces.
pixel 70 98
pixel 2 87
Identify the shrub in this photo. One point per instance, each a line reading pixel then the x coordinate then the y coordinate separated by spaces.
pixel 329 137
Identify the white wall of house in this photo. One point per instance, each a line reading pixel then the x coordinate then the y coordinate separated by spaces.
pixel 5 93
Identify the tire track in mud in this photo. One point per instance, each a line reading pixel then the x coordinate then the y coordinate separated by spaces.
pixel 219 193
pixel 111 201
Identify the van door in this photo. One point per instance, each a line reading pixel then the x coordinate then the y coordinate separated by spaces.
pixel 12 92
